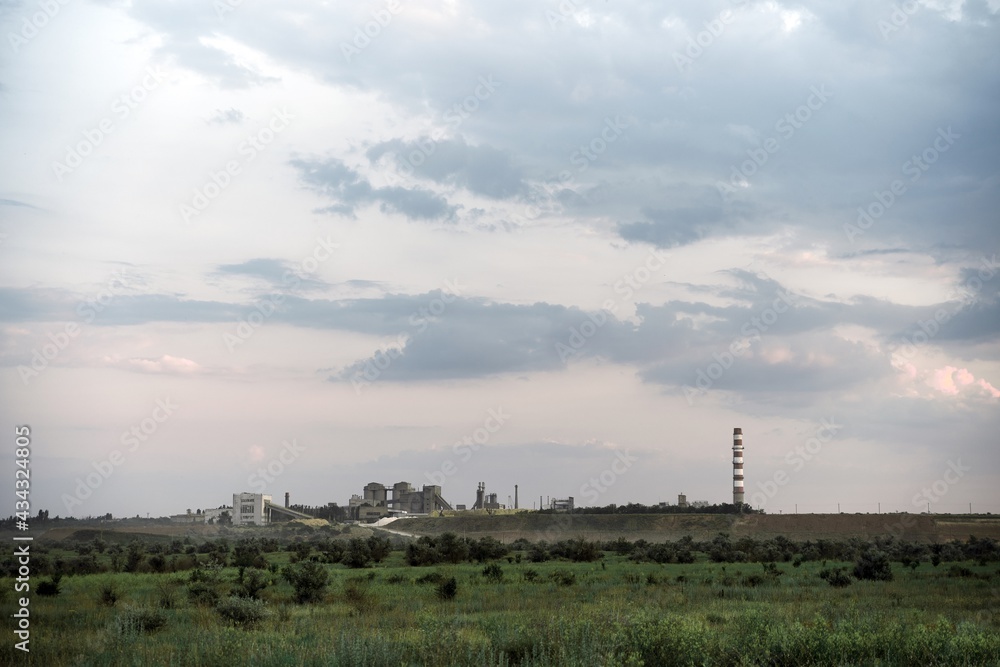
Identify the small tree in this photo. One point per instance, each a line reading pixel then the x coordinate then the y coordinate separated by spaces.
pixel 309 580
pixel 379 547
pixel 251 583
pixel 874 566
pixel 300 551
pixel 358 554
pixel 134 556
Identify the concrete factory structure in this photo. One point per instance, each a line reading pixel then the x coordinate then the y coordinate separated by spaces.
pixel 256 509
pixel 738 467
pixel 485 501
pixel 405 499
pixel 248 509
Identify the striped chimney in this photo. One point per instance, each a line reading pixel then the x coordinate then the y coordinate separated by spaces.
pixel 738 466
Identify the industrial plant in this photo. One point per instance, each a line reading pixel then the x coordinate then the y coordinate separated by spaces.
pixel 379 501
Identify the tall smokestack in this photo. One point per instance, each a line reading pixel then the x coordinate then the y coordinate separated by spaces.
pixel 738 467
pixel 515 496
pixel 286 498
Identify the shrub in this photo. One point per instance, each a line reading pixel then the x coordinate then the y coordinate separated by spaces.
pixel 563 578
pixel 873 566
pixel 248 553
pixel 960 571
pixel 109 595
pixel 158 563
pixel 538 554
pixel 242 612
pixel 358 554
pixel 838 577
pixel 251 583
pixel 488 548
pixel 431 578
pixel 309 580
pixel 422 553
pixel 202 593
pixel 50 588
pixel 447 589
pixel 357 595
pixel 493 573
pixel 529 575
pixel 166 594
pixel 300 551
pixel 379 548
pixel 135 621
pixel 397 579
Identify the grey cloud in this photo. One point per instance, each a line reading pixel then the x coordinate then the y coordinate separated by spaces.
pixel 483 170
pixel 276 272
pixel 349 190
pixel 14 202
pixel 561 84
pixel 227 117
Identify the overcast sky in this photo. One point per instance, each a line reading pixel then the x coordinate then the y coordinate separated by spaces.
pixel 568 246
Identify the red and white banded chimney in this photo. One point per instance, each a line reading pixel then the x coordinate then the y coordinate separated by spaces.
pixel 738 466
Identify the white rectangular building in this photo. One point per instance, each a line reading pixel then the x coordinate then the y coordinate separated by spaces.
pixel 248 509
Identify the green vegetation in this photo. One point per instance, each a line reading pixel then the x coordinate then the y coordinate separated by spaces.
pixel 448 600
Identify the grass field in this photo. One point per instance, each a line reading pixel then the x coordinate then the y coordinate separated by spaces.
pixel 609 612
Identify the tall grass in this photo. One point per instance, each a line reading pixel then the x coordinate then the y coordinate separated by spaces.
pixel 612 613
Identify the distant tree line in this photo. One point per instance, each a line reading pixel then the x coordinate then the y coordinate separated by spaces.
pixel 90 556
pixel 638 508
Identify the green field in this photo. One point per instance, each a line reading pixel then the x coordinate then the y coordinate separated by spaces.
pixel 610 611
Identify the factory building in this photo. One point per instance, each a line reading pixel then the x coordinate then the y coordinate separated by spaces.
pixel 249 509
pixel 256 509
pixel 561 505
pixel 403 498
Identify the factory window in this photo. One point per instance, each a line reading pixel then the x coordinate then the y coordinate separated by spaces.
pixel 246 509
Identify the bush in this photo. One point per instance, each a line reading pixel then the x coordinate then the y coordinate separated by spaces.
pixel 309 580
pixel 529 575
pixel 242 612
pixel 300 551
pixel 538 554
pixel 109 595
pixel 431 578
pixel 563 578
pixel 50 588
pixel 166 593
pixel 379 548
pixel 447 589
pixel 358 596
pixel 158 563
pixel 873 566
pixel 422 553
pixel 492 572
pixel 252 581
pixel 358 554
pixel 838 577
pixel 488 548
pixel 135 621
pixel 202 593
pixel 960 571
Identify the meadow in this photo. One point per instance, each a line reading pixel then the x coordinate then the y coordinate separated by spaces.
pixel 620 608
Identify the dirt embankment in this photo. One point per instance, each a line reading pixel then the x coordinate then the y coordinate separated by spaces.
pixel 660 527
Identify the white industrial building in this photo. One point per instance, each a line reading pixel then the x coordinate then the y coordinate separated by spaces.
pixel 249 509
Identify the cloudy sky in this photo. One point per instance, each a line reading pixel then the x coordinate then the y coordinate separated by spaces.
pixel 567 246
